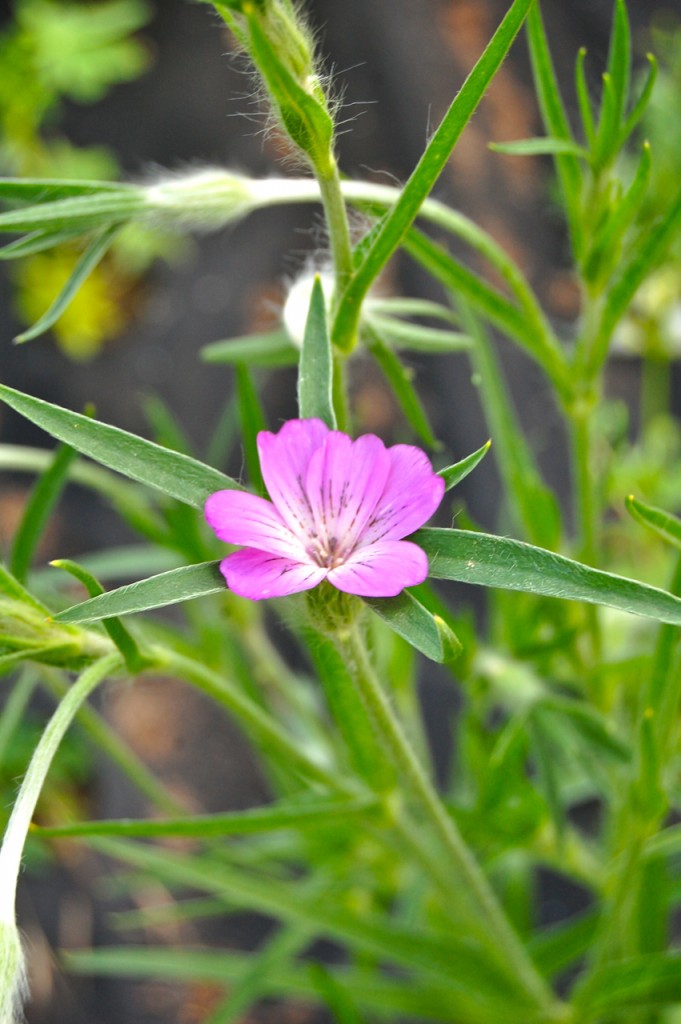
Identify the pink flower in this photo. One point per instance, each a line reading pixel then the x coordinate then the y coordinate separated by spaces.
pixel 339 511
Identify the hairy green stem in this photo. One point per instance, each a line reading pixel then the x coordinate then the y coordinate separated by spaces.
pixel 471 875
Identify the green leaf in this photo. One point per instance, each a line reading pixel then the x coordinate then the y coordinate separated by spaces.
pixel 639 108
pixel 174 474
pixel 428 633
pixel 445 959
pixel 47 190
pixel 651 248
pixel 82 270
pixel 642 981
pixel 663 523
pixel 619 66
pixel 167 588
pixel 584 98
pixel 454 474
pixel 588 723
pixel 557 125
pixel 540 147
pixel 37 241
pixel 319 812
pixel 605 250
pixel 252 418
pixel 433 161
pixel 415 337
pixel 44 497
pixel 273 349
pixel 512 565
pixel 533 505
pixel 85 212
pixel 399 379
pixel 315 369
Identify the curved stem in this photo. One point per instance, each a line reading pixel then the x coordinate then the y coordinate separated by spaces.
pixel 471 875
pixel 24 807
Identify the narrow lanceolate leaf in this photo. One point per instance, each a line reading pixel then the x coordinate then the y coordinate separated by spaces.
pixel 315 369
pixel 454 474
pixel 174 474
pixel 252 419
pixel 428 633
pixel 155 592
pixel 663 523
pixel 512 565
pixel 317 813
pixel 82 270
pixel 271 349
pixel 396 223
pixel 36 241
pixel 43 499
pixel 85 212
pixel 556 123
pixel 46 190
pixel 540 147
pixel 651 980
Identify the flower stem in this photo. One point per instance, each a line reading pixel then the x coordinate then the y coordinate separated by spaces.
pixel 12 969
pixel 477 887
pixel 337 225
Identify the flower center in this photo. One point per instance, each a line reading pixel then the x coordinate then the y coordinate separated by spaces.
pixel 327 552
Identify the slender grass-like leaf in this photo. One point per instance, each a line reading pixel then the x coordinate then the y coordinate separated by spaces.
pixel 638 982
pixel 47 190
pixel 167 588
pixel 428 633
pixel 312 814
pixel 272 349
pixel 454 474
pixel 584 98
pixel 43 499
pixel 473 980
pixel 557 125
pixel 639 108
pixel 512 565
pixel 176 475
pixel 37 241
pixel 86 212
pixel 605 250
pixel 540 147
pixel 663 523
pixel 415 337
pixel 556 948
pixel 399 379
pixel 532 503
pixel 315 368
pixel 375 992
pixel 94 253
pixel 619 62
pixel 650 250
pixel 397 222
pixel 252 419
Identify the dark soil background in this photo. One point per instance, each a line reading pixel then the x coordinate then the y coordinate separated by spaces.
pixel 396 64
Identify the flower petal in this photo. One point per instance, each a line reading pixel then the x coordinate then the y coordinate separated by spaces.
pixel 412 493
pixel 344 481
pixel 257 574
pixel 284 458
pixel 382 569
pixel 241 518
